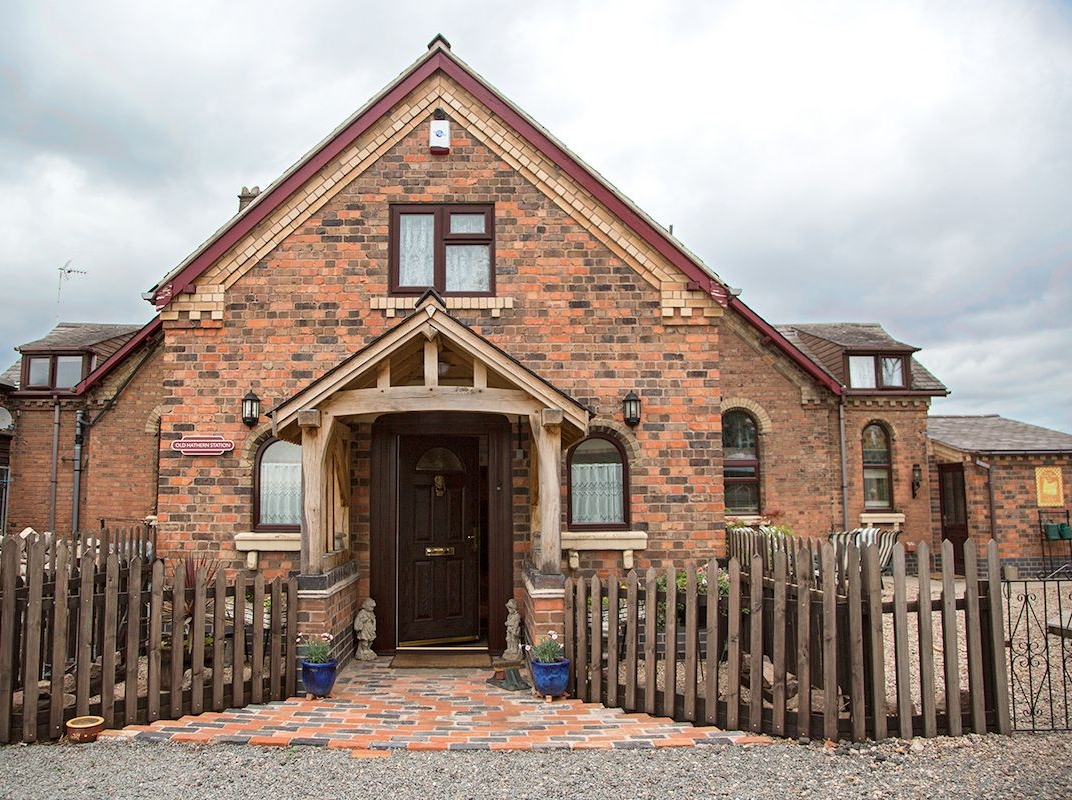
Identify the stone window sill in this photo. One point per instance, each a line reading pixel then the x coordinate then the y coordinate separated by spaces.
pixel 625 541
pixel 253 543
pixel 882 519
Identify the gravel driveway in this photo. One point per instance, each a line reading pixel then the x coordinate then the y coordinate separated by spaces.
pixel 1022 766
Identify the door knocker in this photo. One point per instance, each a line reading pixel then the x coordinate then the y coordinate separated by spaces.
pixel 440 484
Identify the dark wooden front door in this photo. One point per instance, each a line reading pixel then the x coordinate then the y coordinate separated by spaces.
pixel 438 540
pixel 954 509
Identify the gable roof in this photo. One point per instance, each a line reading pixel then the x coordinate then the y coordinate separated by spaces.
pixel 827 344
pixel 996 435
pixel 99 338
pixel 440 59
pixel 505 385
pixel 119 356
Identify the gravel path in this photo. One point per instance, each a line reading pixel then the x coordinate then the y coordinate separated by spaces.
pixel 1023 766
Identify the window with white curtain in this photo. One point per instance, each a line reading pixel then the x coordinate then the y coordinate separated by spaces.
pixel 278 501
pixel 877 372
pixel 449 248
pixel 598 484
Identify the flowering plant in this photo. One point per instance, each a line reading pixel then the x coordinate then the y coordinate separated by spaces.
pixel 547 651
pixel 721 579
pixel 317 648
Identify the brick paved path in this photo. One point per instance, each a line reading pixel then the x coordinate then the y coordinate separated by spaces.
pixel 375 708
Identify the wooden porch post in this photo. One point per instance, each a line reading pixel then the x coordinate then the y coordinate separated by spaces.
pixel 316 485
pixel 547 430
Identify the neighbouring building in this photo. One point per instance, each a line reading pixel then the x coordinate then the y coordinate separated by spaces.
pixel 441 362
pixel 996 478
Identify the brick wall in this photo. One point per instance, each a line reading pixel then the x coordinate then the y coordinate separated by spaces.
pixel 119 479
pixel 1016 511
pixel 118 474
pixel 31 464
pixel 580 317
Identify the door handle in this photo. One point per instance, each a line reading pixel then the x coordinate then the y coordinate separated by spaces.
pixel 439 551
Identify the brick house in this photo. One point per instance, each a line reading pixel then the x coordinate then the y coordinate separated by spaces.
pixel 83 404
pixel 1001 479
pixel 441 361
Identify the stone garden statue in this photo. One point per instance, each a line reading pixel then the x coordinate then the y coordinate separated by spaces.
pixel 513 632
pixel 365 629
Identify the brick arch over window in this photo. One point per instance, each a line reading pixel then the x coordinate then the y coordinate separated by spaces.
pixel 152 422
pixel 759 414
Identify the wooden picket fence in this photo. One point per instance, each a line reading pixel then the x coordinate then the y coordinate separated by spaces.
pixel 97 630
pixel 785 652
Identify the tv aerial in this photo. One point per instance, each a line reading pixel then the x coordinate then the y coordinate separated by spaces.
pixel 66 271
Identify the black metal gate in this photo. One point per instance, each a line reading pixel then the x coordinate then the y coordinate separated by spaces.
pixel 1039 638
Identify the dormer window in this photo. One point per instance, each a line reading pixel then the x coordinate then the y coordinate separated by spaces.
pixel 52 372
pixel 877 372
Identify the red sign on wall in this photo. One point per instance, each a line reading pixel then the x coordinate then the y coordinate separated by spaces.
pixel 202 445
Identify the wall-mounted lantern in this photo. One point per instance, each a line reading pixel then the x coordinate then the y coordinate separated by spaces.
pixel 251 409
pixel 631 410
pixel 917 479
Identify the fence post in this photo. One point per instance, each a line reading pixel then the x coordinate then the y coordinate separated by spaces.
pixel 973 636
pixel 650 613
pixel 130 697
pixel 926 643
pixel 631 625
pixel 670 643
pixel 733 646
pixel 949 642
pixel 596 662
pixel 292 627
pixel 59 639
pixel 31 670
pixel 156 618
pixel 997 638
pixel 581 653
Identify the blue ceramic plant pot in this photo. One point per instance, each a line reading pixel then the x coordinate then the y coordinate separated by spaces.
pixel 319 679
pixel 550 680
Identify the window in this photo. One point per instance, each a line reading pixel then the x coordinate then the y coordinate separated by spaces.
pixel 52 372
pixel 277 494
pixel 740 463
pixel 599 484
pixel 877 372
pixel 878 475
pixel 449 248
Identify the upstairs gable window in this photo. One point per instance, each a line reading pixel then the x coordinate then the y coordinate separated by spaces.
pixel 877 372
pixel 449 248
pixel 52 372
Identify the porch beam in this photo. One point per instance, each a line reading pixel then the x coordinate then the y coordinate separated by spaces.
pixel 357 402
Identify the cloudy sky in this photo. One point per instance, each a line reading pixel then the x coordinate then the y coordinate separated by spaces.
pixel 908 163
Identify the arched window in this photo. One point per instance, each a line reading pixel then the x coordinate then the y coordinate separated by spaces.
pixel 598 484
pixel 878 468
pixel 277 501
pixel 740 464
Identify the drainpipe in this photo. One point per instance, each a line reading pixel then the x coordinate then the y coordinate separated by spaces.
pixel 76 490
pixel 54 475
pixel 844 463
